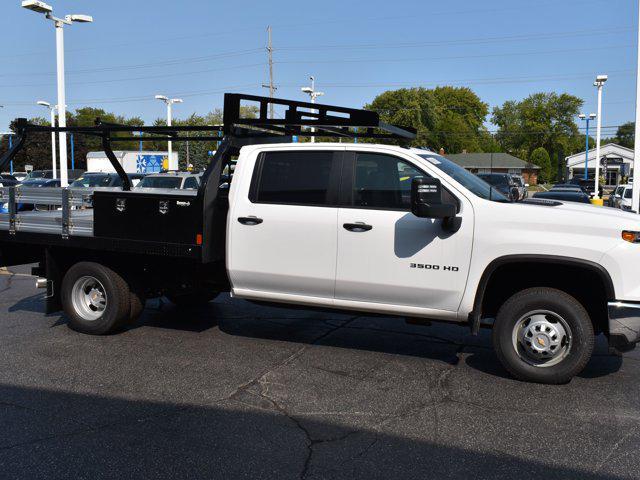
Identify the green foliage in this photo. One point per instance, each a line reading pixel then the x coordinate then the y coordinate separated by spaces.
pixel 444 117
pixel 540 157
pixel 540 120
pixel 625 135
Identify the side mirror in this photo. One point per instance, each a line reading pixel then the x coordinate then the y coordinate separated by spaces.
pixel 426 199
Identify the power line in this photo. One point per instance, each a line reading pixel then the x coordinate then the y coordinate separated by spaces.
pixel 475 41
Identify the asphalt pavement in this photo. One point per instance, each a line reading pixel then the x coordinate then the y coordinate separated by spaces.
pixel 234 391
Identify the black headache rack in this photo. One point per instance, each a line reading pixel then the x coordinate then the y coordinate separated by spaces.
pixel 146 219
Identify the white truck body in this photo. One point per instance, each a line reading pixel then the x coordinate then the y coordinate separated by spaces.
pixel 131 161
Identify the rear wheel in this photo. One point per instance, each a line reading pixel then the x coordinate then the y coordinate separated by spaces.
pixel 543 335
pixel 96 299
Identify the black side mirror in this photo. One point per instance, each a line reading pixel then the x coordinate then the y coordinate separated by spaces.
pixel 426 199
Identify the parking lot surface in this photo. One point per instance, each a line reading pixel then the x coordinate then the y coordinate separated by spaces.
pixel 234 390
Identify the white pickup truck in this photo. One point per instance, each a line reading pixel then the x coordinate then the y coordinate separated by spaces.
pixel 371 228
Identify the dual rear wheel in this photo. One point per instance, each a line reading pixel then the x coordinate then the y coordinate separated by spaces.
pixel 98 300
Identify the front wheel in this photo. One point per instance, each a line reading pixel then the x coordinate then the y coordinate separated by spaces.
pixel 543 335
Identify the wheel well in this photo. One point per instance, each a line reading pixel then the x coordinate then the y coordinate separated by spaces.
pixel 590 286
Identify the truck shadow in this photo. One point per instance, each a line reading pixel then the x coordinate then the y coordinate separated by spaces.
pixel 441 342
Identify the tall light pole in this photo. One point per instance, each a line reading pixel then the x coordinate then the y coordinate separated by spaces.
pixel 9 135
pixel 41 7
pixel 170 102
pixel 588 118
pixel 52 110
pixel 600 81
pixel 635 200
pixel 311 91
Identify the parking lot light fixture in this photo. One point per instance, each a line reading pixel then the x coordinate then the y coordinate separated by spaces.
pixel 311 91
pixel 599 83
pixel 587 118
pixel 52 110
pixel 41 7
pixel 169 102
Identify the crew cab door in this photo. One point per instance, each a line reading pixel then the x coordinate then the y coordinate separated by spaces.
pixel 386 255
pixel 282 226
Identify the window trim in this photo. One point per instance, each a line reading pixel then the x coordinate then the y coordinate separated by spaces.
pixel 347 187
pixel 337 160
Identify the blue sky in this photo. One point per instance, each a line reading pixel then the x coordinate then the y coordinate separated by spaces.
pixel 197 49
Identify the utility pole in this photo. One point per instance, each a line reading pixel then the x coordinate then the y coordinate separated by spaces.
pixel 272 88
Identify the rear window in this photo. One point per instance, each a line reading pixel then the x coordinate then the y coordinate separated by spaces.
pixel 161 182
pixel 297 178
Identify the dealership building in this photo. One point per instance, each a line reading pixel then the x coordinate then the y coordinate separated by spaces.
pixel 616 163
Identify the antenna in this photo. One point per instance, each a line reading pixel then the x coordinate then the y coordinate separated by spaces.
pixel 272 88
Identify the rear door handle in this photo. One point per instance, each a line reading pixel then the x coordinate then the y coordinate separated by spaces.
pixel 357 227
pixel 250 220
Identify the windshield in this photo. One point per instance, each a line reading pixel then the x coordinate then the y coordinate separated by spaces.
pixel 38 174
pixel 89 181
pixel 161 182
pixel 475 185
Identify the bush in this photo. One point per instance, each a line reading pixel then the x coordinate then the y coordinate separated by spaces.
pixel 540 157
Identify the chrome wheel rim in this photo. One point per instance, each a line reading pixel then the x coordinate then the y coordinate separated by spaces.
pixel 89 298
pixel 542 338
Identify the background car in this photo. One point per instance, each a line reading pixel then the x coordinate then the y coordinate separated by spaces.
pixel 34 183
pixel 20 176
pixel 625 198
pixel 615 197
pixel 503 183
pixel 171 180
pixel 7 180
pixel 566 195
pixel 522 186
pixel 100 179
pixel 72 174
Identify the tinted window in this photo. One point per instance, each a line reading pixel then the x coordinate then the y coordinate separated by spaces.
pixel 161 182
pixel 294 178
pixel 383 181
pixel 191 183
pixel 628 193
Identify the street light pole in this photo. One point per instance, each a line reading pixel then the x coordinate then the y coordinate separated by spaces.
pixel 41 7
pixel 170 102
pixel 52 115
pixel 588 119
pixel 635 200
pixel 600 81
pixel 311 91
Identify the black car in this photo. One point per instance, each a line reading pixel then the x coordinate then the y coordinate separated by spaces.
pixel 564 196
pixel 503 182
pixel 48 174
pixel 7 180
pixel 98 179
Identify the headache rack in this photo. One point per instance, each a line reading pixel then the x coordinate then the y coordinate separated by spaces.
pixel 67 215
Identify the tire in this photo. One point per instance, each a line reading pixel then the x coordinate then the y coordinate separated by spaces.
pixel 137 302
pixel 96 299
pixel 193 298
pixel 539 320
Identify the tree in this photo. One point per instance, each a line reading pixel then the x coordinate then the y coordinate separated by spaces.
pixel 444 117
pixel 540 157
pixel 625 135
pixel 540 120
pixel 408 107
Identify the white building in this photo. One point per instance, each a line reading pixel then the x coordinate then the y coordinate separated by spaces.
pixel 616 161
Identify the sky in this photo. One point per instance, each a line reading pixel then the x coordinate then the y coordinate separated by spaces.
pixel 356 49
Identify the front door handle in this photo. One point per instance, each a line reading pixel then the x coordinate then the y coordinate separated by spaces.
pixel 250 220
pixel 357 227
